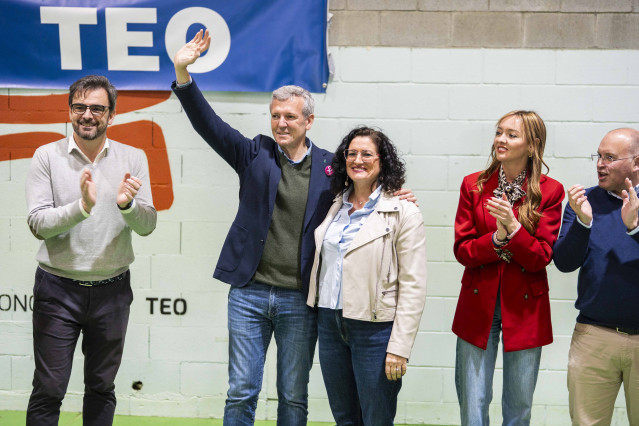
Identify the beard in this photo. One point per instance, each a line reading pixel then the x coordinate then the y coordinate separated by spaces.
pixel 96 131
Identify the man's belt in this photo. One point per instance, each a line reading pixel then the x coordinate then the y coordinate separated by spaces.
pixel 625 330
pixel 101 282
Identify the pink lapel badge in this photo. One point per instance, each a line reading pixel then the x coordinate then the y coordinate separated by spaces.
pixel 328 170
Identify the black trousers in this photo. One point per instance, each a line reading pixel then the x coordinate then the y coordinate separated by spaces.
pixel 61 310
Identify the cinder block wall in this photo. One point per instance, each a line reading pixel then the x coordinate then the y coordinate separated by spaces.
pixel 435 75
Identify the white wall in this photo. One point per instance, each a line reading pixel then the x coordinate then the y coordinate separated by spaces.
pixel 439 106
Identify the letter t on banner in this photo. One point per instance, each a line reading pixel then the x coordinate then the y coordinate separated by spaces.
pixel 69 20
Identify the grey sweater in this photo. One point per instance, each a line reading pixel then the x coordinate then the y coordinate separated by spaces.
pixel 74 246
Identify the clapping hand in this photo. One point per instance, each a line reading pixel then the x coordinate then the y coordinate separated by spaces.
pixel 579 203
pixel 630 207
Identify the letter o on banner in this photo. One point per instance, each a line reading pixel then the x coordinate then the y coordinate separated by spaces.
pixel 179 24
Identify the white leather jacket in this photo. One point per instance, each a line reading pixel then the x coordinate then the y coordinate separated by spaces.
pixel 384 269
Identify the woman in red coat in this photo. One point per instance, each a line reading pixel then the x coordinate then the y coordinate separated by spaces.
pixel 507 222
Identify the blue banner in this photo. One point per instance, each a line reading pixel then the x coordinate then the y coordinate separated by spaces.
pixel 257 45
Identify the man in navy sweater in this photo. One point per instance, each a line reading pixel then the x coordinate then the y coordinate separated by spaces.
pixel 600 235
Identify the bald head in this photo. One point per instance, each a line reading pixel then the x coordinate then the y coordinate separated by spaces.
pixel 618 159
pixel 630 138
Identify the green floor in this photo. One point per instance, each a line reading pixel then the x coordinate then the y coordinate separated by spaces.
pixel 17 418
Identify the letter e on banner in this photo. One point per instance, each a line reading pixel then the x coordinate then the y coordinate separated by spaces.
pixel 178 26
pixel 119 39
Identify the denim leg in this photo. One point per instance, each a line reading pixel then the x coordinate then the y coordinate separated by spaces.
pixel 250 331
pixel 337 368
pixel 368 342
pixel 295 328
pixel 474 369
pixel 520 378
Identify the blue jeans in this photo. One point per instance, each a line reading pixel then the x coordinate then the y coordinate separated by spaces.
pixel 352 356
pixel 474 370
pixel 255 313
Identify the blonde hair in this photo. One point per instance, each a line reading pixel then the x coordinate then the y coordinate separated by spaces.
pixel 534 132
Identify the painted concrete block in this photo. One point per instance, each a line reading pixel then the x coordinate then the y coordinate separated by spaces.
pixel 485 102
pixel 206 168
pixel 203 238
pixel 451 138
pixel 434 350
pixel 136 345
pixel 188 344
pixel 21 375
pixel 447 65
pixel 579 140
pixel 554 357
pixel 434 413
pixel 141 272
pixel 513 66
pixel 364 65
pixel 563 286
pixel 5 234
pixel 163 406
pixel 418 101
pixel 347 100
pixel 156 377
pixel 438 314
pixel 564 315
pixel 444 278
pixel 5 372
pixel 427 173
pixel 592 67
pixel 421 385
pixel 168 273
pixel 165 239
pixel 460 167
pixel 616 104
pixel 439 244
pixel 16 338
pixel 559 103
pixel 440 213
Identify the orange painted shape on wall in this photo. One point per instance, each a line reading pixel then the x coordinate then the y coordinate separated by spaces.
pixel 47 109
pixel 22 145
pixel 148 136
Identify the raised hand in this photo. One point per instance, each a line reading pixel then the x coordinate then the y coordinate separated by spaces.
pixel 630 207
pixel 87 187
pixel 189 53
pixel 127 190
pixel 579 203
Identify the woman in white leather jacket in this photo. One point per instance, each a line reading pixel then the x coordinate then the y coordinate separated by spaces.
pixel 368 280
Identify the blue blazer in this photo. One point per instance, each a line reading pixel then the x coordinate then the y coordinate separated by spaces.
pixel 256 161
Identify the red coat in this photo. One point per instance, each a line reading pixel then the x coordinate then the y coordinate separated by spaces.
pixel 525 305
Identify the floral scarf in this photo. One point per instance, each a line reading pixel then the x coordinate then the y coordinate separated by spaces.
pixel 513 189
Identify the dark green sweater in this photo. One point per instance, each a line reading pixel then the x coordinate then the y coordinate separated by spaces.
pixel 280 262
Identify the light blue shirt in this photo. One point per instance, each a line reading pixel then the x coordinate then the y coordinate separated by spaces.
pixel 338 238
pixel 309 145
